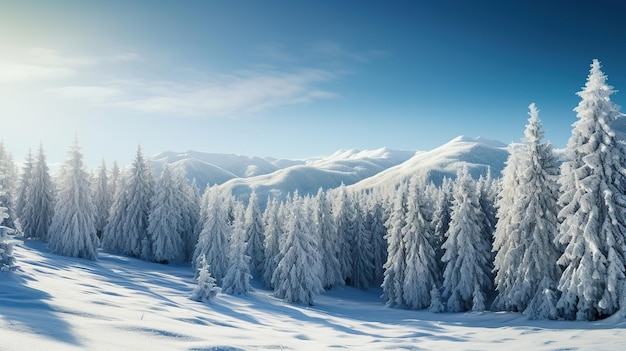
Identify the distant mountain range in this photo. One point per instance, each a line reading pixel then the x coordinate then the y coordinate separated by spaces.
pixel 359 169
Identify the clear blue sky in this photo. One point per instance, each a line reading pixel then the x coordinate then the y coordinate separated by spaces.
pixel 294 79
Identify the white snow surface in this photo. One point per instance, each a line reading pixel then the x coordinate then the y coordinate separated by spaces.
pixel 119 303
pixel 478 154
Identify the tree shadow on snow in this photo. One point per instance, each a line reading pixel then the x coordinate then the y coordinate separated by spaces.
pixel 25 308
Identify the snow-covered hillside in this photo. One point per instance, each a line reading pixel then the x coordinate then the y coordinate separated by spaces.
pixel 478 154
pixel 345 166
pixel 365 169
pixel 119 303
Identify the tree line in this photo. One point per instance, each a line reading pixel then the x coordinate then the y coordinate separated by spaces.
pixel 547 239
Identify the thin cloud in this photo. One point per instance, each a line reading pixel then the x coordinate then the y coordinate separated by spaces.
pixel 232 95
pixel 47 64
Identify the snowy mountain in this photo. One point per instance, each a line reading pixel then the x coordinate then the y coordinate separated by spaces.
pixel 345 166
pixel 213 168
pixel 365 169
pixel 478 154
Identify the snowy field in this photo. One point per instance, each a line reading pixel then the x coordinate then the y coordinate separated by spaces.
pixel 60 303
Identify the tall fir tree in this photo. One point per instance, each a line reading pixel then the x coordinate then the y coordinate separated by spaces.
pixel 20 199
pixel 422 269
pixel 467 252
pixel 8 180
pixel 113 234
pixel 593 200
pixel 271 244
pixel 73 228
pixel 297 275
pixel 361 250
pixel 164 220
pixel 213 241
pixel 237 277
pixel 344 215
pixel 327 236
pixel 525 262
pixel 103 198
pixel 376 223
pixel 255 236
pixel 139 189
pixel 39 204
pixel 395 267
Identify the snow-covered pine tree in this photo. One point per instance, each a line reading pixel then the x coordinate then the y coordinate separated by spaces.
pixel 467 252
pixel 395 267
pixel 255 236
pixel 113 234
pixel 441 217
pixel 139 189
pixel 422 270
pixel 39 204
pixel 593 200
pixel 8 180
pixel 376 224
pixel 103 198
pixel 20 199
pixel 7 243
pixel 206 290
pixel 271 244
pixel 164 219
pixel 213 241
pixel 525 263
pixel 114 181
pixel 343 214
pixel 237 277
pixel 191 214
pixel 297 276
pixel 361 250
pixel 327 234
pixel 73 229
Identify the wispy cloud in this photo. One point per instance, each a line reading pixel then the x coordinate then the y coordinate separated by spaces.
pixel 46 64
pixel 233 95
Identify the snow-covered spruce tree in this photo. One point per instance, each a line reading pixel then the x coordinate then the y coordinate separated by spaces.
pixel 297 276
pixel 73 229
pixel 139 189
pixel 326 234
pixel 206 290
pixel 467 253
pixel 525 262
pixel 114 181
pixel 395 267
pixel 113 234
pixel 361 250
pixel 8 180
pixel 422 270
pixel 237 277
pixel 39 204
pixel 271 244
pixel 593 200
pixel 103 198
pixel 213 241
pixel 343 213
pixel 441 217
pixel 164 219
pixel 20 199
pixel 255 236
pixel 376 225
pixel 7 243
pixel 191 215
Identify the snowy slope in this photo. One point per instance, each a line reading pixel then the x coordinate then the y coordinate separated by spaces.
pixel 345 166
pixel 213 168
pixel 120 303
pixel 478 154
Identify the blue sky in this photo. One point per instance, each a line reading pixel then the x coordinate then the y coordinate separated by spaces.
pixel 294 79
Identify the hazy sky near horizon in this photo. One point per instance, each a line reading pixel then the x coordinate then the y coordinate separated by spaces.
pixel 294 79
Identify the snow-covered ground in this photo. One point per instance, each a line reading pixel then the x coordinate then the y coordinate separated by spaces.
pixel 119 303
